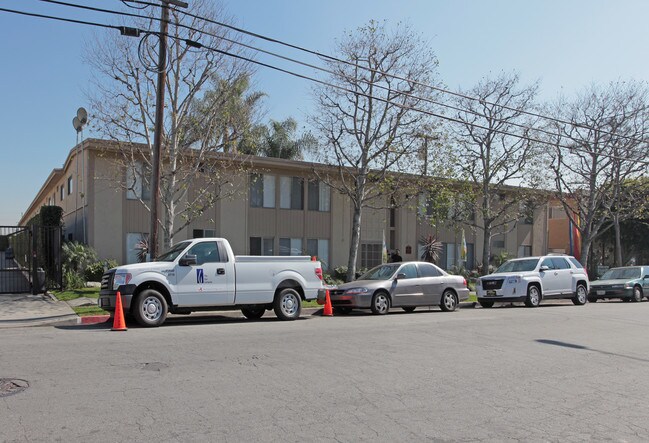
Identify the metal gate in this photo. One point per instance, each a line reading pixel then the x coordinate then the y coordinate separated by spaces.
pixel 30 259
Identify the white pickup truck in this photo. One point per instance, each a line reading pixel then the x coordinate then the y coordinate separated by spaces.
pixel 203 275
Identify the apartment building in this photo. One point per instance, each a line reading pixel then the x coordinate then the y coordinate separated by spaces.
pixel 282 209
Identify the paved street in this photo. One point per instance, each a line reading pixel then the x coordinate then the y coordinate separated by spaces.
pixel 556 373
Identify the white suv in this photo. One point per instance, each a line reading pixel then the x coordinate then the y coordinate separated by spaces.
pixel 532 279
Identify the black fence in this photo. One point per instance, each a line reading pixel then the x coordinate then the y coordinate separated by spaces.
pixel 30 259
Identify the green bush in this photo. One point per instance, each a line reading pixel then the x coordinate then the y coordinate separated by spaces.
pixel 72 280
pixel 331 280
pixel 95 271
pixel 76 258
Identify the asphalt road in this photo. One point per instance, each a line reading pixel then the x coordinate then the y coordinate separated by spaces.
pixel 556 373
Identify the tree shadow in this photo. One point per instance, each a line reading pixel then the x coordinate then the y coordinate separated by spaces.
pixel 586 348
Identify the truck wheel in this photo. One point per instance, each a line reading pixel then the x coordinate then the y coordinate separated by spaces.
pixel 253 313
pixel 486 303
pixel 150 308
pixel 287 304
pixel 582 295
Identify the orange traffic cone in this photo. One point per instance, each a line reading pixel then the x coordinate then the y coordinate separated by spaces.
pixel 328 310
pixel 119 324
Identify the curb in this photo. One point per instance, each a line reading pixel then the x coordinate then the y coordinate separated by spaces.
pixel 93 319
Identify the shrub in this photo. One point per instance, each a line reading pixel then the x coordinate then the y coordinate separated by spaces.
pixel 76 258
pixel 95 271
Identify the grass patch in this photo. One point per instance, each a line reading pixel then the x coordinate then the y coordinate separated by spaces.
pixel 71 294
pixel 472 297
pixel 311 304
pixel 82 311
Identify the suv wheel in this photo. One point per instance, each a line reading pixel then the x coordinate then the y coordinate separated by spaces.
pixel 486 303
pixel 533 296
pixel 582 295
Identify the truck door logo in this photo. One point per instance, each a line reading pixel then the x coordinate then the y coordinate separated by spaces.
pixel 200 278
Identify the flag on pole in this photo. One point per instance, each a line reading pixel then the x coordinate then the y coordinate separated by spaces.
pixel 463 250
pixel 575 238
pixel 384 251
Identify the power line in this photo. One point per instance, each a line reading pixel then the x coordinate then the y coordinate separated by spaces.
pixel 199 45
pixel 433 114
pixel 299 62
pixel 338 60
pixel 68 20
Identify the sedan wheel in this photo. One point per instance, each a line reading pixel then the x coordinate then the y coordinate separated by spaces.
pixel 380 303
pixel 637 294
pixel 449 301
pixel 533 297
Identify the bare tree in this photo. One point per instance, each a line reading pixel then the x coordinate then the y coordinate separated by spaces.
pixel 604 146
pixel 496 155
pixel 367 119
pixel 207 107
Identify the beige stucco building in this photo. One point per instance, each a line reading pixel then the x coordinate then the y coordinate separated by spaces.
pixel 281 208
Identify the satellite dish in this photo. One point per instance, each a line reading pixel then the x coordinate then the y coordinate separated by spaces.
pixel 82 115
pixel 77 124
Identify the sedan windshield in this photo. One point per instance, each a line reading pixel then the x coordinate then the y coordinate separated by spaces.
pixel 518 265
pixel 383 272
pixel 172 253
pixel 621 274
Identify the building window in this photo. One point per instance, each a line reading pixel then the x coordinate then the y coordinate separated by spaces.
pixel 134 247
pixel 291 193
pixel 499 244
pixel 452 250
pixel 290 246
pixel 203 233
pixel 524 251
pixel 137 183
pixel 262 191
pixel 54 198
pixel 319 248
pixel 319 196
pixel 371 255
pixel 261 245
pixel 70 185
pixel 62 192
pixel 558 212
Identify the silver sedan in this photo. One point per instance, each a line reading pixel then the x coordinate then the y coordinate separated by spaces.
pixel 406 285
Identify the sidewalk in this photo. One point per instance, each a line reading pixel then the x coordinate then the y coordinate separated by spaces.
pixel 20 310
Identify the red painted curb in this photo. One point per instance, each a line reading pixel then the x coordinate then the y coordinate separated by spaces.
pixel 94 319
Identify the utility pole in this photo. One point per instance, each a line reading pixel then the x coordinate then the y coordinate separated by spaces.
pixel 159 125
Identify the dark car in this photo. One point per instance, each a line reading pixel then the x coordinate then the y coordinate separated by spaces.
pixel 9 253
pixel 628 283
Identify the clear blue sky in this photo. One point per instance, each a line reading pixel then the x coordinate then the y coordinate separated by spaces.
pixel 567 44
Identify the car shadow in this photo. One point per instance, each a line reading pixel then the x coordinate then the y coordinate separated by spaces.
pixel 177 321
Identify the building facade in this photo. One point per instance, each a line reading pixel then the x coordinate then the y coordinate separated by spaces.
pixel 281 208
